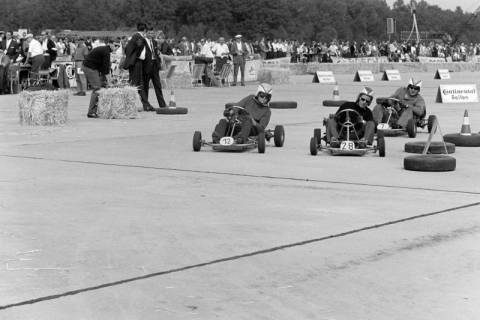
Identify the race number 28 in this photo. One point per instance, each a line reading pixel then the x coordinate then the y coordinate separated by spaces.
pixel 347 145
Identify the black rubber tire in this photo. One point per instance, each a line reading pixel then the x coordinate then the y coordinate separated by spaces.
pixel 178 110
pixel 261 142
pixel 197 141
pixel 430 162
pixel 283 105
pixel 431 120
pixel 388 133
pixel 317 133
pixel 411 128
pixel 463 141
pixel 313 146
pixel 436 147
pixel 279 136
pixel 381 146
pixel 333 103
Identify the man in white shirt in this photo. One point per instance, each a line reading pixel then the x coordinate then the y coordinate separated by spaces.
pixel 35 53
pixel 221 54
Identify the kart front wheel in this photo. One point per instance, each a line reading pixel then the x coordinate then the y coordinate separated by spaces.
pixel 313 146
pixel 197 141
pixel 279 136
pixel 411 128
pixel 261 142
pixel 381 146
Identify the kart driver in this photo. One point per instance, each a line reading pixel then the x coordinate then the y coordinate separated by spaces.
pixel 252 122
pixel 364 127
pixel 410 104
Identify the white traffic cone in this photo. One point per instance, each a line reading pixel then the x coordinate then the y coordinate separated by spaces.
pixel 465 131
pixel 336 93
pixel 172 103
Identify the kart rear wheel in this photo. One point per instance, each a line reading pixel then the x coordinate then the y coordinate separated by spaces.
pixel 431 120
pixel 430 163
pixel 317 133
pixel 313 146
pixel 381 146
pixel 261 142
pixel 411 128
pixel 197 141
pixel 279 136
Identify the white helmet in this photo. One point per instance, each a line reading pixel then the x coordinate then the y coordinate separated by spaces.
pixel 264 90
pixel 413 83
pixel 367 91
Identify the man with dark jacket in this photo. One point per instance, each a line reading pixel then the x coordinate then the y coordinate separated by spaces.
pixel 151 69
pixel 10 46
pixel 96 67
pixel 135 52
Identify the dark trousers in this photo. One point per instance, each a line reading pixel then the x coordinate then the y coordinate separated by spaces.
pixel 366 131
pixel 219 62
pixel 243 130
pixel 154 75
pixel 136 79
pixel 239 63
pixel 96 81
pixel 37 62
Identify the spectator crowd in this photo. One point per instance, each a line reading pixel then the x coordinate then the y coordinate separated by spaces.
pixel 42 49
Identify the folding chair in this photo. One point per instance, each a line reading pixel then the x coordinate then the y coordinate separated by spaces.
pixel 197 73
pixel 224 74
pixel 14 79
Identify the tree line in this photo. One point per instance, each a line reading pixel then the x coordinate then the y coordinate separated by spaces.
pixel 304 20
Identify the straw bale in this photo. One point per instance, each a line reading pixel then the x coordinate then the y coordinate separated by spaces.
pixel 274 75
pixel 118 103
pixel 43 107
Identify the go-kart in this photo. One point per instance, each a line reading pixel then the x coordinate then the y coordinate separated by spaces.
pixel 349 141
pixel 229 142
pixel 391 128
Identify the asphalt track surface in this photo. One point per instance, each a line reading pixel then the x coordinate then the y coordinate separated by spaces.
pixel 120 219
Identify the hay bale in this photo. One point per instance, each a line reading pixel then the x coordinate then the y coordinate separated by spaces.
pixel 118 103
pixel 274 75
pixel 43 107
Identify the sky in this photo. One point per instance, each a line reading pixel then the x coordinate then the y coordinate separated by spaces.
pixel 466 5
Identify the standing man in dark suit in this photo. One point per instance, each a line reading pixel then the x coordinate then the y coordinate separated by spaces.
pixel 10 47
pixel 239 51
pixel 135 52
pixel 151 68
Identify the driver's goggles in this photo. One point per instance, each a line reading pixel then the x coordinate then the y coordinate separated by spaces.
pixel 264 95
pixel 414 87
pixel 365 100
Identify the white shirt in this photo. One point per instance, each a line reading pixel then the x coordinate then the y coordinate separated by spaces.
pixel 206 51
pixel 221 50
pixel 8 44
pixel 35 48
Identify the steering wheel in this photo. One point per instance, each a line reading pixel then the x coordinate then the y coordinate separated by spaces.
pixel 350 117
